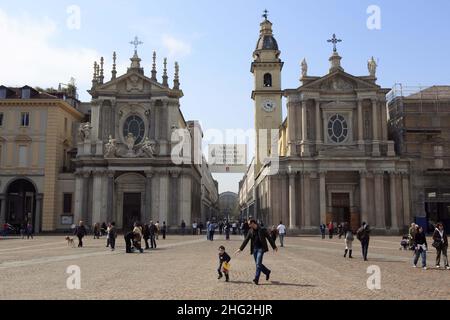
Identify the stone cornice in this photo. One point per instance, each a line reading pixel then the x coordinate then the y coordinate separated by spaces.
pixel 42 103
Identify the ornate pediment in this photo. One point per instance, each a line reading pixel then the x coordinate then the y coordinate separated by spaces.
pixel 134 83
pixel 337 84
pixel 340 81
pixel 131 82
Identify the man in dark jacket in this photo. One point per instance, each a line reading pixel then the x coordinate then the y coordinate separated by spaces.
pixel 153 230
pixel 363 235
pixel 258 238
pixel 80 232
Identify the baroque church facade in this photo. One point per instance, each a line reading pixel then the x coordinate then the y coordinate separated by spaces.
pixel 333 160
pixel 124 167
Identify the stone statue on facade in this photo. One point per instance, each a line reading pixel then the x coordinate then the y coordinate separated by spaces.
pixel 148 148
pixel 304 68
pixel 111 148
pixel 84 131
pixel 130 140
pixel 372 66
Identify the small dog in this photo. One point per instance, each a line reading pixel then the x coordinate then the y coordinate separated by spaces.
pixel 70 242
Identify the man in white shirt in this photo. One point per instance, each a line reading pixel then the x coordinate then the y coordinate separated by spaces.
pixel 281 232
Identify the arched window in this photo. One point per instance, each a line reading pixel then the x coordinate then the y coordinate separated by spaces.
pixel 267 80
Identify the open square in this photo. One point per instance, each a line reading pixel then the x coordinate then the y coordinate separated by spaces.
pixel 184 267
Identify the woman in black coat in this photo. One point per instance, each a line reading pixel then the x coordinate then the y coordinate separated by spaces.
pixel 440 242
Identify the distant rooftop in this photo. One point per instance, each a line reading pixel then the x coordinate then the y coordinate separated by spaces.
pixel 437 92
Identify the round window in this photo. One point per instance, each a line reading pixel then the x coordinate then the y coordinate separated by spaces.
pixel 136 126
pixel 337 128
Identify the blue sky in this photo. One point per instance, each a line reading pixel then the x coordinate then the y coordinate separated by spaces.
pixel 213 42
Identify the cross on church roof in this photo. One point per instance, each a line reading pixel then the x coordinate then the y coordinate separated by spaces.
pixel 334 41
pixel 266 14
pixel 136 42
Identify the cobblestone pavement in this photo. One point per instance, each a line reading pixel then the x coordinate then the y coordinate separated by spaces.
pixel 185 268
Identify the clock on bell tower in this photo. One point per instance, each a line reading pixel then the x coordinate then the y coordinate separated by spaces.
pixel 267 94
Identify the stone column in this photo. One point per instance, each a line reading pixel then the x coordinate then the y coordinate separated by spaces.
pixel 291 129
pixel 305 141
pixel 319 139
pixel 323 198
pixel 306 200
pixel 393 196
pixel 406 200
pixel 292 208
pixel 375 123
pixel 2 209
pixel 97 198
pixel 148 197
pixel 37 220
pixel 380 217
pixel 110 197
pixel 86 211
pixel 79 197
pixel 360 125
pixel 363 196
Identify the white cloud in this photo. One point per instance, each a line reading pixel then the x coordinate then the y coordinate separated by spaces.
pixel 28 56
pixel 176 48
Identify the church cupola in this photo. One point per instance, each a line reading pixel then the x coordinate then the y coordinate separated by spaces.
pixel 267 46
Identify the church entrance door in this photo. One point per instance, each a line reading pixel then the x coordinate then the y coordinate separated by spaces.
pixel 131 210
pixel 341 207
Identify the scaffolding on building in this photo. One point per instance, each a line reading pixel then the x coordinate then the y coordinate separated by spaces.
pixel 434 99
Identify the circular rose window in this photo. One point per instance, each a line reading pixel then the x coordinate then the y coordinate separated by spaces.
pixel 136 126
pixel 337 128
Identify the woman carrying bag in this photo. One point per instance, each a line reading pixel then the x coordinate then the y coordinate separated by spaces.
pixel 440 242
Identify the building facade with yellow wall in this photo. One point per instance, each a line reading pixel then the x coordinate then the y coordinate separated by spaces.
pixel 36 143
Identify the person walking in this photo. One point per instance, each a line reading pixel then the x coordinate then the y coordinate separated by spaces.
pixel 29 230
pixel 322 230
pixel 146 235
pixel 157 230
pixel 200 228
pixel 258 238
pixel 349 243
pixel 211 229
pixel 112 235
pixel 227 230
pixel 330 229
pixel 107 235
pixel 440 242
pixel 183 227
pixel 152 234
pixel 194 228
pixel 221 227
pixel 411 234
pixel 80 232
pixel 363 235
pixel 340 230
pixel 97 231
pixel 282 233
pixel 137 237
pixel 104 229
pixel 421 246
pixel 164 230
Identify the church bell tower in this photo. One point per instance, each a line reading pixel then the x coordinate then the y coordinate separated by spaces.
pixel 267 94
